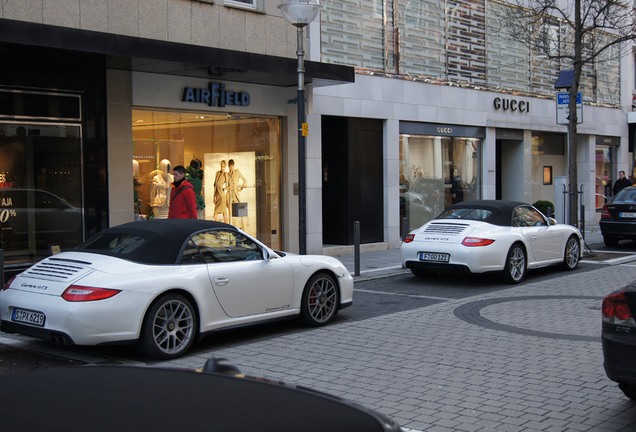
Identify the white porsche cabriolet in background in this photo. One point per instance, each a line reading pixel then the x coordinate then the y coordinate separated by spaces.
pixel 161 284
pixel 491 236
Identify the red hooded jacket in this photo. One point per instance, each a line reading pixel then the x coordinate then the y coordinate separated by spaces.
pixel 183 203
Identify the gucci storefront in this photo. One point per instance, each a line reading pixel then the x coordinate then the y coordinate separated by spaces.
pixel 440 165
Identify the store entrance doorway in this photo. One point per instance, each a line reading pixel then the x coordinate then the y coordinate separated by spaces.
pixel 509 170
pixel 352 180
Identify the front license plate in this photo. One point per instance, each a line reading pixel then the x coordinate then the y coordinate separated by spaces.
pixel 627 214
pixel 28 317
pixel 432 256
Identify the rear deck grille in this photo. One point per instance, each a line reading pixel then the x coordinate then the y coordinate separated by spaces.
pixel 442 228
pixel 55 271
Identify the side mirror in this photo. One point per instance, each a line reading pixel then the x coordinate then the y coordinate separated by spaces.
pixel 552 221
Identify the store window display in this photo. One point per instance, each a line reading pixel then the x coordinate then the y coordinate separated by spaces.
pixel 40 190
pixel 436 172
pixel 233 163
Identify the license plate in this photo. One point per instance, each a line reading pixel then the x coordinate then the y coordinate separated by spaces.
pixel 432 256
pixel 627 214
pixel 28 317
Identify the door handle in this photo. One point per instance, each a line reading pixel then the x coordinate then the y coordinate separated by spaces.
pixel 220 281
pixel 533 237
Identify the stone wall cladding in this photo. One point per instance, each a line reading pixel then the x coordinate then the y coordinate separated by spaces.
pixel 181 21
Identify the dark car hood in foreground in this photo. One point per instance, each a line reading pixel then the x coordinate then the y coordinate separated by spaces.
pixel 119 398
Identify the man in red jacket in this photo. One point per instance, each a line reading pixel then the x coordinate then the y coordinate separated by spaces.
pixel 183 203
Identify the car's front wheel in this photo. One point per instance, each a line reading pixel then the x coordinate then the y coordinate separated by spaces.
pixel 515 268
pixel 169 327
pixel 610 241
pixel 320 300
pixel 572 253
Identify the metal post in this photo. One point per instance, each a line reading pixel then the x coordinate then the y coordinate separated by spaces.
pixel 549 212
pixel 356 247
pixel 583 220
pixel 302 168
pixel 405 228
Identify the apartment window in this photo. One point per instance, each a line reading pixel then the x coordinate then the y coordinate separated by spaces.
pixel 255 5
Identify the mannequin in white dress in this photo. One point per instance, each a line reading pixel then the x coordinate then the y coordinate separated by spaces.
pixel 160 184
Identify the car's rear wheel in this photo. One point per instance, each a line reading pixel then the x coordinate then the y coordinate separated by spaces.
pixel 610 241
pixel 515 268
pixel 320 300
pixel 572 253
pixel 169 327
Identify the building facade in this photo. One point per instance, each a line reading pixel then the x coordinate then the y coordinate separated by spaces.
pixel 99 101
pixel 462 112
pixel 411 106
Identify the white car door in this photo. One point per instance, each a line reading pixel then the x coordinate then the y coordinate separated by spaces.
pixel 545 242
pixel 244 282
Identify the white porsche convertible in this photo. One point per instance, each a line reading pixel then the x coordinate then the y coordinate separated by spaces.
pixel 161 284
pixel 491 236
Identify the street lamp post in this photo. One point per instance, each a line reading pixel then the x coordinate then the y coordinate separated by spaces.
pixel 299 14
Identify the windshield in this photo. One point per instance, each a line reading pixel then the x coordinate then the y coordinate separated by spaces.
pixel 465 213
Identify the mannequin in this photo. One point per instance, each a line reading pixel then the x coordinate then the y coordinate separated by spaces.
pixel 236 182
pixel 194 174
pixel 136 184
pixel 160 184
pixel 220 200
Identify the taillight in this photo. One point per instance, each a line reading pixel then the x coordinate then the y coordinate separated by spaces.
pixel 476 241
pixel 409 238
pixel 616 306
pixel 6 286
pixel 605 214
pixel 81 294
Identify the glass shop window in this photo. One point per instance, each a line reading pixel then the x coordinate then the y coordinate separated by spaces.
pixel 233 163
pixel 436 172
pixel 604 170
pixel 40 190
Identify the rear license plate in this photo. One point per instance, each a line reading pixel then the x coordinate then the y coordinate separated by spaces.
pixel 627 214
pixel 432 256
pixel 28 317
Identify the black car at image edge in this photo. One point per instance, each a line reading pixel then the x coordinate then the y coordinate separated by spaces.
pixel 618 217
pixel 618 336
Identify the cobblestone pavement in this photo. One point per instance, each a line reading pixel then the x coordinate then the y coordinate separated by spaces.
pixel 533 363
pixel 523 359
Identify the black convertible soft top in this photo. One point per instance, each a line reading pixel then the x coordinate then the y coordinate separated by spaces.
pixel 501 210
pixel 163 239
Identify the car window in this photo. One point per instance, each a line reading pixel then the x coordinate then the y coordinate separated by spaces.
pixel 527 216
pixel 191 254
pixel 224 246
pixel 626 195
pixel 113 243
pixel 465 213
